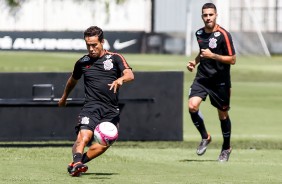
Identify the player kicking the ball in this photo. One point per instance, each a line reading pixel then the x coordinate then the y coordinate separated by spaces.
pixel 104 73
pixel 216 55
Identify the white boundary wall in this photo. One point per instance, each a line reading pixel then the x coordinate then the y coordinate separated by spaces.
pixel 72 15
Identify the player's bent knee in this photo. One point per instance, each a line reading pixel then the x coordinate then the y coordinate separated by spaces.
pixel 193 104
pixel 193 107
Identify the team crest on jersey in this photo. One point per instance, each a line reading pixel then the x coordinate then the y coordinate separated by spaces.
pixel 216 34
pixel 200 32
pixel 108 64
pixel 212 43
pixel 85 58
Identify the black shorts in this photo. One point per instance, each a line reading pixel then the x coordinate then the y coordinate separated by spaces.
pixel 219 93
pixel 93 114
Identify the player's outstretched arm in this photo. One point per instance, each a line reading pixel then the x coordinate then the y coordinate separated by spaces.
pixel 69 87
pixel 127 76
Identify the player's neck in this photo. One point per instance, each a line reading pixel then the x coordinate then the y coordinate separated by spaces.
pixel 103 52
pixel 210 30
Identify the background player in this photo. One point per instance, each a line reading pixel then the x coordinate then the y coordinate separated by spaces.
pixel 216 55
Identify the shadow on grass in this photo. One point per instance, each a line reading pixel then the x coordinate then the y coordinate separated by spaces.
pixel 100 176
pixel 194 160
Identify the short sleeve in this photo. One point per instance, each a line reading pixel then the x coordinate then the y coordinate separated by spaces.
pixel 121 62
pixel 77 71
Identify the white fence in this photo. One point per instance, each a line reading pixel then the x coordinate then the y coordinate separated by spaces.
pixel 73 15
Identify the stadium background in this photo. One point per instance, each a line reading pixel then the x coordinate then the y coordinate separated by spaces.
pixel 168 26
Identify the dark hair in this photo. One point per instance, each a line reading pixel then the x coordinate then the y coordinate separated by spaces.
pixel 94 31
pixel 209 5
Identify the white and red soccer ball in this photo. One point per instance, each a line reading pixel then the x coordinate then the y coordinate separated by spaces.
pixel 106 133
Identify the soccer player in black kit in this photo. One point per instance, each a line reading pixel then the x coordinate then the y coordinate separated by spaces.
pixel 104 73
pixel 216 55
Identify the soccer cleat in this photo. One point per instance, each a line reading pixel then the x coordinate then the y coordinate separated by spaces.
pixel 77 169
pixel 203 145
pixel 70 166
pixel 224 155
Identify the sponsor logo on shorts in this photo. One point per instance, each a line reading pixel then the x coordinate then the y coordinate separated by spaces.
pixel 85 121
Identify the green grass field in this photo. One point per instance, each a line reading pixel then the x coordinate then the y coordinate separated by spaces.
pixel 256 116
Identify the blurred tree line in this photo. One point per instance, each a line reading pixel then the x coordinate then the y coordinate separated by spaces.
pixel 17 3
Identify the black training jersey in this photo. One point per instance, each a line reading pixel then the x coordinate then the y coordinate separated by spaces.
pixel 219 42
pixel 98 73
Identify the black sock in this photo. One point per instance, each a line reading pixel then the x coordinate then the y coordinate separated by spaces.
pixel 199 123
pixel 77 157
pixel 85 158
pixel 226 132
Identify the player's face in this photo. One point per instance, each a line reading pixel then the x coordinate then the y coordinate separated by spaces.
pixel 94 46
pixel 209 17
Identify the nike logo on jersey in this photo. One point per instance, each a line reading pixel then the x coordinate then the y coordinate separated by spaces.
pixel 121 45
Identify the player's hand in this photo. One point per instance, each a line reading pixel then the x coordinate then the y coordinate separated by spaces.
pixel 62 102
pixel 191 66
pixel 116 84
pixel 206 53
